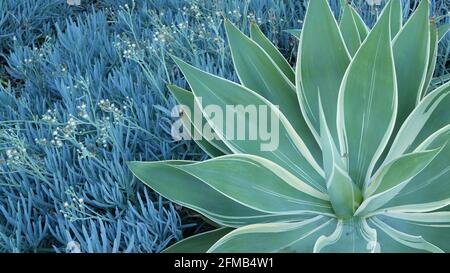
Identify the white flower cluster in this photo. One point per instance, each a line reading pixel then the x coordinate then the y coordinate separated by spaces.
pixel 163 35
pixel 117 111
pixel 13 154
pixel 129 49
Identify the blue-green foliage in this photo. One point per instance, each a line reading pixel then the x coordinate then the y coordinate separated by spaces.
pixel 82 91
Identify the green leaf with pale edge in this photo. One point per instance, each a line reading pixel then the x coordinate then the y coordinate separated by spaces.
pixel 432 114
pixel 430 189
pixel 350 236
pixel 395 240
pixel 322 62
pixel 367 102
pixel 392 178
pixel 437 218
pixel 259 184
pixel 344 195
pixel 442 31
pixel 199 243
pixel 411 53
pixel 291 153
pixel 331 154
pixel 362 27
pixel 258 72
pixel 212 147
pixel 396 17
pixel 349 29
pixel 258 36
pixel 178 186
pixel 432 58
pixel 275 237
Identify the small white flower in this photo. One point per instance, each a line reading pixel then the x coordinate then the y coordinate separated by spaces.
pixel 71 122
pixel 10 153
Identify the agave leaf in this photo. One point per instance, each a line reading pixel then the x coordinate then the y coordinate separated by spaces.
pixel 362 27
pixel 400 240
pixel 436 218
pixel 331 154
pixel 322 62
pixel 352 235
pixel 429 116
pixel 259 184
pixel 275 237
pixel 429 189
pixel 392 178
pixel 420 207
pixel 258 36
pixel 399 170
pixel 205 145
pixel 199 243
pixel 437 139
pixel 258 72
pixel 349 29
pixel 368 102
pixel 432 58
pixel 291 152
pixel 344 195
pixel 396 17
pixel 442 31
pixel 411 55
pixel 178 186
pixel 212 147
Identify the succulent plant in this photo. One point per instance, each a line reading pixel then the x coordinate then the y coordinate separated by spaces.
pixel 363 158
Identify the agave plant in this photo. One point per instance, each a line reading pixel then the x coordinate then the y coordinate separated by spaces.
pixel 363 158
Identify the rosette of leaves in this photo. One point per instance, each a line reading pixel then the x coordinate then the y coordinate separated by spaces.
pixel 363 158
